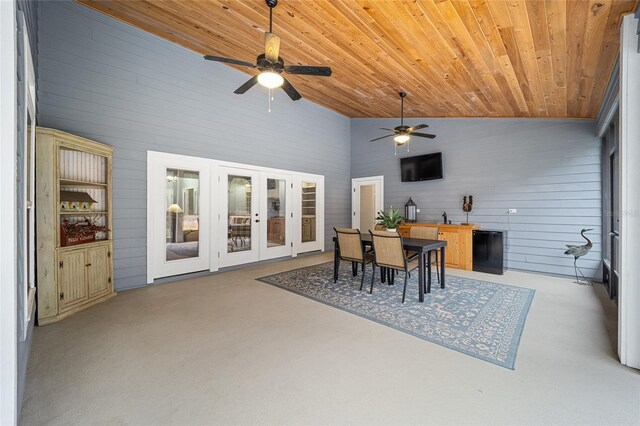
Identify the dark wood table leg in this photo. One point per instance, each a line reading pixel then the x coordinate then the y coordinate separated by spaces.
pixel 421 276
pixel 429 272
pixel 442 261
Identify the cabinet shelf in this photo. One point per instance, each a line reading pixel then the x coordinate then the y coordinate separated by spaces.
pixel 79 213
pixel 80 183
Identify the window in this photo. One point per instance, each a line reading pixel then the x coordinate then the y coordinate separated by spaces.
pixel 27 178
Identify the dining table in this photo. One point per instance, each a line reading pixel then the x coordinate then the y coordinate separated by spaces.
pixel 423 248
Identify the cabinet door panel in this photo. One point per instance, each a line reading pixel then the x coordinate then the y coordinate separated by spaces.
pixel 452 251
pixel 71 278
pixel 98 271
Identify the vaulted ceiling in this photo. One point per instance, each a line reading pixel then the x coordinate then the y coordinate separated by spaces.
pixel 454 58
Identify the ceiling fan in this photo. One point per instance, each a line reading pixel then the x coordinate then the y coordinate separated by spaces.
pixel 271 65
pixel 402 134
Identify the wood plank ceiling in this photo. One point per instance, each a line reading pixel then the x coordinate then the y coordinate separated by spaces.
pixel 454 58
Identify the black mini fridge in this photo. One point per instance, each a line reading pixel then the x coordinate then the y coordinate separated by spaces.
pixel 488 251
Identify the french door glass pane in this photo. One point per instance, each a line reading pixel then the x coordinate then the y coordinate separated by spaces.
pixel 276 208
pixel 182 213
pixel 239 216
pixel 308 212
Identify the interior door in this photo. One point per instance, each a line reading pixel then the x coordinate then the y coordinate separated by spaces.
pixel 277 215
pixel 367 201
pixel 239 216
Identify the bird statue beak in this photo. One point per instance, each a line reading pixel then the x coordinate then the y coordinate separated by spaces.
pixel 587 230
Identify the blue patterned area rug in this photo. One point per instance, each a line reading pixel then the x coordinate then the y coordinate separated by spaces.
pixel 478 318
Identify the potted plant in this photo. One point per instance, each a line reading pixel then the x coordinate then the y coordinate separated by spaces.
pixel 391 219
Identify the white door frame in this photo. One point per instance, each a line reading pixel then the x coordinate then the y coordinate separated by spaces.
pixel 629 151
pixel 356 183
pixel 8 289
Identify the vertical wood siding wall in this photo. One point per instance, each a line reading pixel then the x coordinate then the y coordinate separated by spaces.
pixel 110 82
pixel 549 170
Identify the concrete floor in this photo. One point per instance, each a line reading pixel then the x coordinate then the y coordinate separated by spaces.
pixel 228 349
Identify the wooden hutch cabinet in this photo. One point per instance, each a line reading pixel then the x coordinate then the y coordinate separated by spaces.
pixel 73 222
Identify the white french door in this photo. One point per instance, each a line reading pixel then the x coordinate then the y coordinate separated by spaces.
pixel 277 215
pixel 205 214
pixel 239 216
pixel 179 215
pixel 309 195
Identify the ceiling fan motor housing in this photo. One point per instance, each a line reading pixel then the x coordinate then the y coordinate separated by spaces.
pixel 263 64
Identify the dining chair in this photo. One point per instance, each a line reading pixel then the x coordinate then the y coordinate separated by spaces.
pixel 425 233
pixel 350 250
pixel 388 253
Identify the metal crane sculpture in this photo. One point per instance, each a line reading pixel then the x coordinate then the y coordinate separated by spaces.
pixel 579 251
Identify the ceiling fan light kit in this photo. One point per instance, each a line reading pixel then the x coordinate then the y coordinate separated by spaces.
pixel 270 80
pixel 402 134
pixel 271 65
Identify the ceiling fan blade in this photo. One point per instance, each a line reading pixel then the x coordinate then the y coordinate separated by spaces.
pixel 271 46
pixel 418 127
pixel 290 90
pixel 382 137
pixel 229 61
pixel 423 135
pixel 246 86
pixel 308 70
pixel 384 128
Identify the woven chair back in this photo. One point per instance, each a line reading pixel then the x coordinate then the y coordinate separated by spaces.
pixel 387 249
pixel 350 244
pixel 424 232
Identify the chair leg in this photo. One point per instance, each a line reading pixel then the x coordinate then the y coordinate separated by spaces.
pixel 373 276
pixel 404 292
pixel 437 269
pixel 362 279
pixel 354 268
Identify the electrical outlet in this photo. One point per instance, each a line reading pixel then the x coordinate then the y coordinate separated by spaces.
pixel 512 211
pixel 417 210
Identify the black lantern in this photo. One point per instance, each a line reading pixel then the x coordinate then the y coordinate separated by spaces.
pixel 410 210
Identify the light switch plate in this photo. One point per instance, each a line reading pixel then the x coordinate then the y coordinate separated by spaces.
pixel 417 210
pixel 512 211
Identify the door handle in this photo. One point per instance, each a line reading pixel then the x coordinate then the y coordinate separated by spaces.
pixel 88 264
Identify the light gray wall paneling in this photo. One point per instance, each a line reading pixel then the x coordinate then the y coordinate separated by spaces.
pixel 113 83
pixel 30 9
pixel 549 170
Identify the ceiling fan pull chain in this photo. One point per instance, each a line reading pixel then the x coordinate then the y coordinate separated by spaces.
pixel 270 98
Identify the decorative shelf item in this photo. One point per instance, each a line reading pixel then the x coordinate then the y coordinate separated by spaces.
pixel 75 201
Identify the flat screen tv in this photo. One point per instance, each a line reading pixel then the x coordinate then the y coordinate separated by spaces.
pixel 421 167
